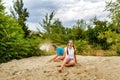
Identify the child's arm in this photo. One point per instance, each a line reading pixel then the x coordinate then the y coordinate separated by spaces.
pixel 75 57
pixel 65 52
pixel 54 57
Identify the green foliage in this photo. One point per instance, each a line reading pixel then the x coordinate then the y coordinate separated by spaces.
pixel 114 9
pixel 111 37
pixel 12 43
pixel 81 46
pixel 1 7
pixel 78 30
pixel 93 33
pixel 59 33
pixel 118 49
pixel 54 30
pixel 46 24
pixel 20 14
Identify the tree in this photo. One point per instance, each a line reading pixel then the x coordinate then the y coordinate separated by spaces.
pixel 114 9
pixel 57 27
pixel 81 23
pixel 78 30
pixel 93 32
pixel 20 14
pixel 13 45
pixel 46 23
pixel 58 32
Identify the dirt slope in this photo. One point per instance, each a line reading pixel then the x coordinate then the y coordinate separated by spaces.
pixel 37 68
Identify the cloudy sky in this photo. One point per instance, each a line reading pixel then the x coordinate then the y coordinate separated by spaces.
pixel 68 11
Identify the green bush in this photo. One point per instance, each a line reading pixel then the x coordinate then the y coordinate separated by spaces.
pixel 80 45
pixel 12 43
pixel 118 49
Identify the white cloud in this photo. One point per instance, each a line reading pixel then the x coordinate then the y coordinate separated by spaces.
pixel 68 11
pixel 81 10
pixel 34 26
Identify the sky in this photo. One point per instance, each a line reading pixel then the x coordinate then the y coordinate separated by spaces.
pixel 68 11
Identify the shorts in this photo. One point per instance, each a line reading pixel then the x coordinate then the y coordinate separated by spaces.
pixel 69 59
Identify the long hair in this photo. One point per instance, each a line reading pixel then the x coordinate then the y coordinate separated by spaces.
pixel 73 47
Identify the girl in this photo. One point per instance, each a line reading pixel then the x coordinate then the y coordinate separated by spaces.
pixel 59 54
pixel 70 58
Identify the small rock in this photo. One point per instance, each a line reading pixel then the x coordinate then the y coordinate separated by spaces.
pixel 46 71
pixel 78 72
pixel 66 74
pixel 14 73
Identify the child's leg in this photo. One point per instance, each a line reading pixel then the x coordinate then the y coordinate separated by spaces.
pixel 71 63
pixel 58 59
pixel 63 64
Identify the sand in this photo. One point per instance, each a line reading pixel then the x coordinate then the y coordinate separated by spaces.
pixel 37 68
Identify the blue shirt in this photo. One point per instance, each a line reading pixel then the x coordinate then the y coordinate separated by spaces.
pixel 59 51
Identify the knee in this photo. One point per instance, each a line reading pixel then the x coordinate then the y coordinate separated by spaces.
pixel 72 63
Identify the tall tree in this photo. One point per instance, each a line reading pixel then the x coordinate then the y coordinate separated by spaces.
pixel 81 23
pixel 114 9
pixel 20 13
pixel 78 30
pixel 47 23
pixel 93 32
pixel 57 27
pixel 58 32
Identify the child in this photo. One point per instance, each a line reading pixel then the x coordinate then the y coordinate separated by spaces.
pixel 70 58
pixel 60 53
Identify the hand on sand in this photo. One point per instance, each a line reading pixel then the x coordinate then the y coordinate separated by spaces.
pixel 49 60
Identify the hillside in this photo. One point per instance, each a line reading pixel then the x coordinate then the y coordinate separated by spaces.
pixel 37 68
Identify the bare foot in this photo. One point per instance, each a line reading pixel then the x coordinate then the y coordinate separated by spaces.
pixel 60 70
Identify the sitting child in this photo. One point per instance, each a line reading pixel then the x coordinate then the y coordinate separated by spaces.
pixel 59 53
pixel 70 58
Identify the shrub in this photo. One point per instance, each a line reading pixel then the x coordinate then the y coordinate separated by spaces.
pixel 81 45
pixel 13 45
pixel 118 49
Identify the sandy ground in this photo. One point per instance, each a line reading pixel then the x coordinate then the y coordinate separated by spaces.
pixel 37 68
